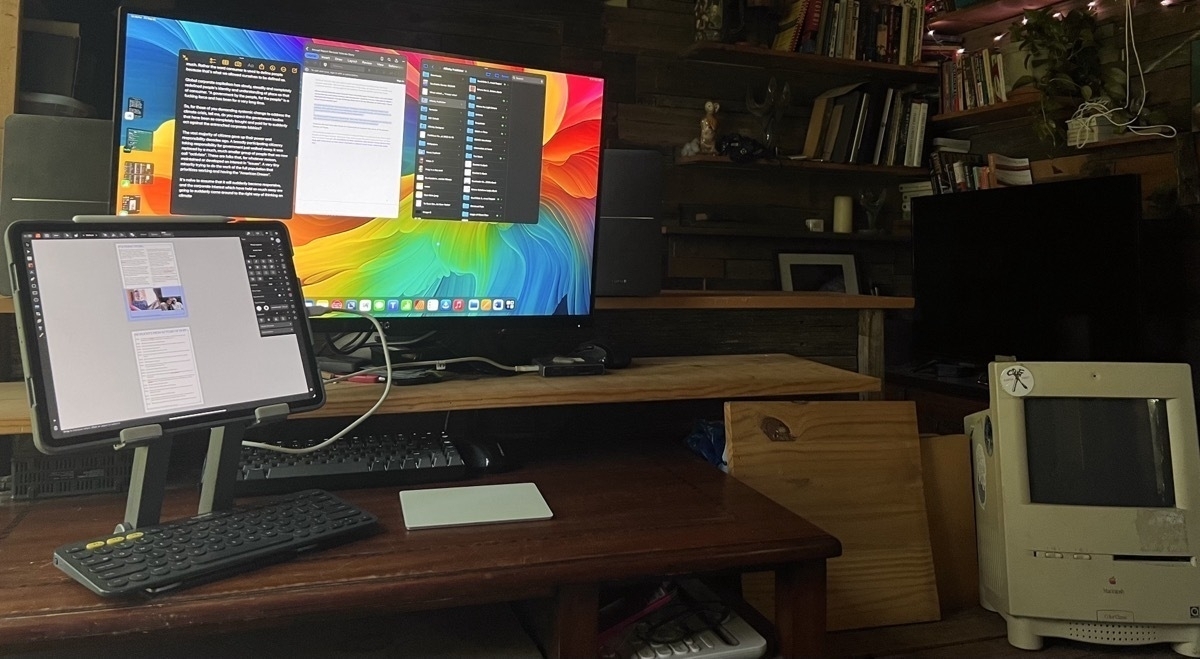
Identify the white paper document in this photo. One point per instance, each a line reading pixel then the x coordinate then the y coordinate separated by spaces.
pixel 167 369
pixel 147 264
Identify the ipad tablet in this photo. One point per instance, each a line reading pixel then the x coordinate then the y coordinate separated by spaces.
pixel 167 325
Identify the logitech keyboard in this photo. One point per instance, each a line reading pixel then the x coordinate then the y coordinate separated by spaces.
pixel 205 547
pixel 373 459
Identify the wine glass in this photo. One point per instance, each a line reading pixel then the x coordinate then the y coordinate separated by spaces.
pixel 872 200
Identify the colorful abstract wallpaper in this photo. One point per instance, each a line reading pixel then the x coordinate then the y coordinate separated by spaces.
pixel 545 268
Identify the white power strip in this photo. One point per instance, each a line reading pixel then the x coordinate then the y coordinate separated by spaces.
pixel 1086 130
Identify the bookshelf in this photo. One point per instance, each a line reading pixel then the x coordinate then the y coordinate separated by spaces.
pixel 1126 138
pixel 804 165
pixel 983 14
pixel 809 75
pixel 1014 108
pixel 825 72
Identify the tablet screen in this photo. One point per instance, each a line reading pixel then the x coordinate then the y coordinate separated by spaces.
pixel 184 325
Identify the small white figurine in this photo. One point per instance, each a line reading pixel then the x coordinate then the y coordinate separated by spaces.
pixel 708 128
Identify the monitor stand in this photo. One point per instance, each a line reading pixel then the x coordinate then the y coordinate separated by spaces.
pixel 152 454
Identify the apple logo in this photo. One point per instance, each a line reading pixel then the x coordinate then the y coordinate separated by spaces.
pixel 1112 581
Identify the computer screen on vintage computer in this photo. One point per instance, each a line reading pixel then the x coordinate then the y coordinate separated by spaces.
pixel 183 325
pixel 1087 478
pixel 429 187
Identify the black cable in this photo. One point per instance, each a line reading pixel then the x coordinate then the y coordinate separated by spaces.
pixel 345 350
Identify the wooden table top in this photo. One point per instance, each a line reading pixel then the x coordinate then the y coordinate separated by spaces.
pixel 722 377
pixel 618 516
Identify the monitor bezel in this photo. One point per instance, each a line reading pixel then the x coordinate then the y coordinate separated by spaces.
pixel 351 323
pixel 1094 529
pixel 32 361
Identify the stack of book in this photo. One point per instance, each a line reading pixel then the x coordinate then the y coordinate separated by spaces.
pixel 972 80
pixel 870 30
pixel 952 169
pixel 868 124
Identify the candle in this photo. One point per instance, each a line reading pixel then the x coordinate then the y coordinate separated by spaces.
pixel 843 214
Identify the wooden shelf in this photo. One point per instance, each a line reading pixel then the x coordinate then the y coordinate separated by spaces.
pixel 754 300
pixel 805 165
pixel 649 379
pixel 983 14
pixel 832 68
pixel 749 231
pixel 1127 138
pixel 1014 108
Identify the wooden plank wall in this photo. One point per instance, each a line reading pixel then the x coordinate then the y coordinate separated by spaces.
pixel 656 101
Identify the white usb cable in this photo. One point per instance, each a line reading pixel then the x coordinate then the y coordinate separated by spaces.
pixel 387 388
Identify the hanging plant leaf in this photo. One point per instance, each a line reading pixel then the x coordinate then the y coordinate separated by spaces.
pixel 1072 60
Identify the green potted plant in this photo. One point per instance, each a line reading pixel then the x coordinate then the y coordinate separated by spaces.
pixel 1069 63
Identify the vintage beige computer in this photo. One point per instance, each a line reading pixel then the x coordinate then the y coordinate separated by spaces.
pixel 1087 480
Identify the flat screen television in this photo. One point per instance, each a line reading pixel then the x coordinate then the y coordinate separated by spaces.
pixel 431 188
pixel 1041 272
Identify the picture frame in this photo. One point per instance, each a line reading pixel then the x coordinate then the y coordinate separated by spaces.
pixel 836 273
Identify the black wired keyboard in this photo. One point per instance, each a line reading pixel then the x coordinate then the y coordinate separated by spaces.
pixel 374 459
pixel 205 547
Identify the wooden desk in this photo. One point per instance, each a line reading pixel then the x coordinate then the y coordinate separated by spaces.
pixel 717 377
pixel 618 517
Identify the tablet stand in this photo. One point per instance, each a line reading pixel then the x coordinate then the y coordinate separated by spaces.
pixel 152 454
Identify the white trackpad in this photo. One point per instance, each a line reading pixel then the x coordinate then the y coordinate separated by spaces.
pixel 478 504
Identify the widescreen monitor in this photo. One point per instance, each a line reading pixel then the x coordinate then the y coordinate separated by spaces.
pixel 421 186
pixel 1042 272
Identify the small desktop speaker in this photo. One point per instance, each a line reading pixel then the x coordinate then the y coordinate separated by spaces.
pixel 628 231
pixel 54 168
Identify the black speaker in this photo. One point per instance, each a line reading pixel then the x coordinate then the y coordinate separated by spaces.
pixel 54 169
pixel 629 233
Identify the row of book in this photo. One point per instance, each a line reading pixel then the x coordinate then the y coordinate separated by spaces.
pixel 941 7
pixel 972 80
pixel 953 170
pixel 868 123
pixel 870 30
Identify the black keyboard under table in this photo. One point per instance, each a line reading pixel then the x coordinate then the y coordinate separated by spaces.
pixel 212 545
pixel 375 459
